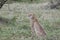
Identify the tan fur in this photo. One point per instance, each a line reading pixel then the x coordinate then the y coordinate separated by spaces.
pixel 35 26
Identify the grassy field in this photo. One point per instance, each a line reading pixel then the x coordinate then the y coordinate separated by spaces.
pixel 19 26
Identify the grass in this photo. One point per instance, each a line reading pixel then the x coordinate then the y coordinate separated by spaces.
pixel 29 1
pixel 19 28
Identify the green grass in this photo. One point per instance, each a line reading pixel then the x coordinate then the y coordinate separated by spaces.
pixel 19 26
pixel 29 1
